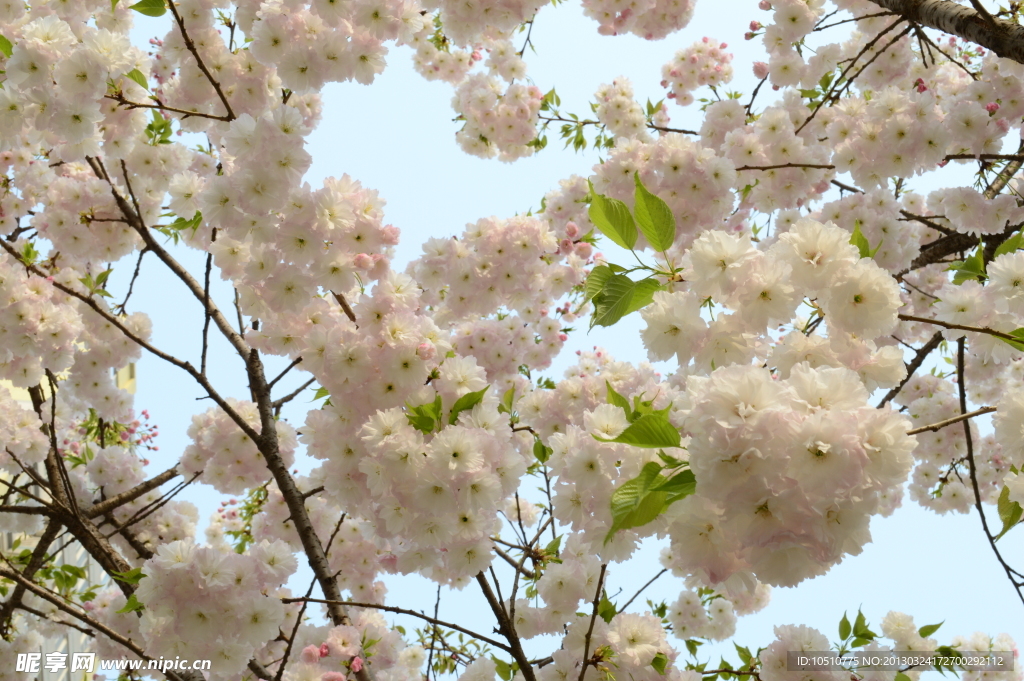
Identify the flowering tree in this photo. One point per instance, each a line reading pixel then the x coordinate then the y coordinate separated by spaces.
pixel 779 255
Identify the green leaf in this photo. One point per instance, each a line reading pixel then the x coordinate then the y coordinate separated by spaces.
pixel 654 217
pixel 133 576
pixel 138 77
pixel 1009 511
pixel 503 668
pixel 844 628
pixel 618 400
pixel 612 217
pixel 679 486
pixel 670 461
pixel 467 401
pixel 1011 245
pixel 1019 333
pixel 113 4
pixel 507 400
pixel 606 609
pixel 599 276
pixel 151 8
pixel 660 662
pixel 651 431
pixel 541 451
pixel 860 629
pixel 424 417
pixel 861 242
pixel 972 268
pixel 900 676
pixel 321 393
pixel 634 504
pixel 6 47
pixel 132 605
pixel 743 652
pixel 621 296
pixel 929 629
pixel 552 548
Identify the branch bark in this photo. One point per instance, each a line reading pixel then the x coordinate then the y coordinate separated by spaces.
pixel 1005 38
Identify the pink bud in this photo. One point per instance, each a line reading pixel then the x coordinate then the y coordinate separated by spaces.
pixel 765 5
pixel 563 337
pixel 124 436
pixel 572 230
pixel 476 56
pixel 565 246
pixel 363 261
pixel 310 655
pixel 991 107
pixel 332 676
pixel 357 664
pixel 426 351
pixel 755 25
pixel 704 39
pixel 324 650
pixel 391 234
pixel 760 69
pixel 583 249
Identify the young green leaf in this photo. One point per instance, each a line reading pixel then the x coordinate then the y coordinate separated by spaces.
pixel 467 401
pixel 612 217
pixel 861 242
pixel 133 576
pixel 651 431
pixel 679 486
pixel 606 609
pixel 541 451
pixel 654 217
pixel 1011 245
pixel 660 662
pixel 634 504
pixel 1010 512
pixel 618 400
pixel 6 47
pixel 138 77
pixel 599 276
pixel 1018 333
pixel 132 605
pixel 844 628
pixel 929 629
pixel 621 296
pixel 151 8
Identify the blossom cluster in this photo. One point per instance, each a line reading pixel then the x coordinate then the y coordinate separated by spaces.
pixel 702 63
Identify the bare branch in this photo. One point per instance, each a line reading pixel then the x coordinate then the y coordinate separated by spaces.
pixel 935 427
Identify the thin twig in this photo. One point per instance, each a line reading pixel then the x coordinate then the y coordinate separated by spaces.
pixel 973 468
pixel 593 618
pixel 404 611
pixel 191 46
pixel 934 427
pixel 913 366
pixel 623 608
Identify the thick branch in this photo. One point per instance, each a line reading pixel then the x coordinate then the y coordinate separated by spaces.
pixel 102 507
pixel 1005 38
pixel 506 629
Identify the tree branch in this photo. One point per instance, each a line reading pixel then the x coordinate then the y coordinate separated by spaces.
pixel 403 611
pixel 935 427
pixel 1005 38
pixel 974 470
